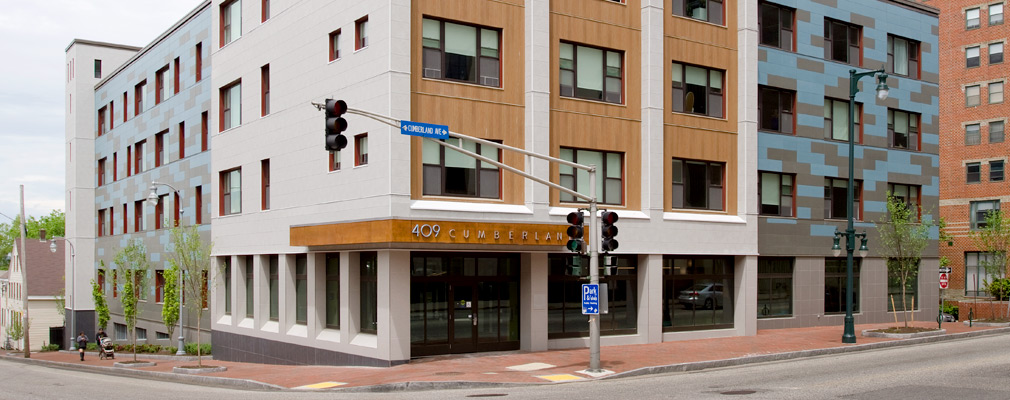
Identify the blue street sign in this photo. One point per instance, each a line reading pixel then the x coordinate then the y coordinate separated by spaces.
pixel 424 130
pixel 590 299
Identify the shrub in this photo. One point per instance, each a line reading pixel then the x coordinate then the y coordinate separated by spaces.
pixel 150 348
pixel 91 347
pixel 952 310
pixel 51 347
pixel 171 349
pixel 999 288
pixel 191 349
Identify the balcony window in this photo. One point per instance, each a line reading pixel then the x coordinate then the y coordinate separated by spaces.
pixel 698 90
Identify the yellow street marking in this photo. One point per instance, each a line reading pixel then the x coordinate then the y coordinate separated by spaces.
pixel 560 378
pixel 323 385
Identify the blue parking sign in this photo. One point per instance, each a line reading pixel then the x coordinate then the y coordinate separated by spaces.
pixel 590 299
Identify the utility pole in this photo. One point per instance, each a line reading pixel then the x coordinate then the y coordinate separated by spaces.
pixel 24 278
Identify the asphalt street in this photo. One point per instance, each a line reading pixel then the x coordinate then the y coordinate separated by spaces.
pixel 976 368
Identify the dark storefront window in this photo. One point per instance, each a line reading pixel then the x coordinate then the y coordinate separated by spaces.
pixel 697 293
pixel 369 291
pixel 775 287
pixel 333 290
pixel 301 289
pixel 894 302
pixel 564 298
pixel 834 285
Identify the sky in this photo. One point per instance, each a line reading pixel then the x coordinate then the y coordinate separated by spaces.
pixel 34 36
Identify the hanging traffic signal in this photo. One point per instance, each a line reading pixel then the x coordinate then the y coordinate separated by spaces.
pixel 608 231
pixel 575 232
pixel 335 125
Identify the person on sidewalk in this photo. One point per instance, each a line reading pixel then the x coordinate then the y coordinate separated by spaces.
pixel 82 343
pixel 100 335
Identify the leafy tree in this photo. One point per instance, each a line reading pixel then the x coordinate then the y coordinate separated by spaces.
pixel 53 224
pixel 994 240
pixel 132 263
pixel 14 330
pixel 902 239
pixel 192 255
pixel 170 298
pixel 101 307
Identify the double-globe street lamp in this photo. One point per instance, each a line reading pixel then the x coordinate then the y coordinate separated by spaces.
pixel 849 334
pixel 153 199
pixel 73 287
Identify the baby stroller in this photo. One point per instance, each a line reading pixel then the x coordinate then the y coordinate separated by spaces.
pixel 106 349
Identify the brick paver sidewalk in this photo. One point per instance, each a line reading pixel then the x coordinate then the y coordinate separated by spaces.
pixel 560 365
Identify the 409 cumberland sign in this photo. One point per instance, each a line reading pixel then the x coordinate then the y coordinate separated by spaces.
pixel 391 231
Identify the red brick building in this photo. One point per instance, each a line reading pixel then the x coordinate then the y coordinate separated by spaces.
pixel 973 119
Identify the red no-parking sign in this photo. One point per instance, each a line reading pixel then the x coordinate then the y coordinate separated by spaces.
pixel 944 280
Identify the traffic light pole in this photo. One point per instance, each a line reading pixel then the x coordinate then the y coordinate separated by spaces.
pixel 594 221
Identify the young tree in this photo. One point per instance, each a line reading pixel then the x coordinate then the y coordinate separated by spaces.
pixel 101 307
pixel 170 298
pixel 994 240
pixel 14 330
pixel 133 264
pixel 902 239
pixel 192 254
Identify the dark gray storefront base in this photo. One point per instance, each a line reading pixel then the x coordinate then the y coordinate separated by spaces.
pixel 87 322
pixel 241 348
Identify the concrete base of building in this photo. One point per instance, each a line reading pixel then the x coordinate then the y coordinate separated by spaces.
pixel 241 348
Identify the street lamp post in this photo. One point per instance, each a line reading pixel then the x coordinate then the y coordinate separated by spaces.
pixel 849 335
pixel 73 288
pixel 152 199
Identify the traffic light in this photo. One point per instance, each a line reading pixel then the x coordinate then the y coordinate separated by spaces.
pixel 608 231
pixel 575 243
pixel 335 125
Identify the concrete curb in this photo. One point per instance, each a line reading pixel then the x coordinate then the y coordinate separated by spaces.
pixel 163 357
pixel 232 383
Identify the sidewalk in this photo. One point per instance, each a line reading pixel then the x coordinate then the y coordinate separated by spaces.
pixel 519 367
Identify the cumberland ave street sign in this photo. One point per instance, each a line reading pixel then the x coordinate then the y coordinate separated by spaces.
pixel 424 130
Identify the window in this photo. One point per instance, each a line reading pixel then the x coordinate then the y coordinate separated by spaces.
pixel 204 134
pixel 903 129
pixel 972 135
pixel 265 184
pixel 198 69
pixel 361 150
pixel 995 53
pixel 835 277
pixel 591 73
pixel 335 159
pixel 698 184
pixel 139 216
pixel 198 203
pixel 121 331
pixel 971 56
pixel 175 76
pixel 159 148
pixel 98 68
pixel 972 96
pixel 265 11
pixel 141 333
pixel 975 274
pixel 835 195
pixel 697 293
pixel 361 33
pixel 842 42
pixel 333 290
pixel 265 90
pixel 101 121
pixel 112 220
pixel 697 90
pixel 775 26
pixel 974 172
pixel 159 85
pixel 101 223
pixel 126 219
pixel 139 97
pixel 335 45
pixel 836 120
pixel 703 10
pixel 231 191
pixel 226 261
pixel 112 114
pixel 369 291
pixel 129 158
pixel 996 132
pixel 138 156
pixel 467 53
pixel 609 175
pixel 971 18
pixel 124 107
pixel 775 191
pixel 979 210
pixel 162 336
pixel 159 286
pixel 182 140
pixel 995 92
pixel 775 287
pixel 995 14
pixel 159 211
pixel 564 290
pixel 115 166
pixel 908 194
pixel 775 107
pixel 231 106
pixel 902 56
pixel 250 280
pixel 231 21
pixel 101 172
pixel 996 171
pixel 448 172
pixel 274 287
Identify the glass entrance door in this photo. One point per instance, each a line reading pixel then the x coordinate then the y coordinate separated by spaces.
pixel 464 319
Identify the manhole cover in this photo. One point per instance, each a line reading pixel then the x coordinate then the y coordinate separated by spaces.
pixel 450 373
pixel 738 392
pixel 488 395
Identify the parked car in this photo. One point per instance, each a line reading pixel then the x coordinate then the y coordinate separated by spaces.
pixel 702 295
pixel 948 317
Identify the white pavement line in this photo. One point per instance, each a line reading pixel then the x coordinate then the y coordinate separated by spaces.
pixel 530 367
pixel 597 374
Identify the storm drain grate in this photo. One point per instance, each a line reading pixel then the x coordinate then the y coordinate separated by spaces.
pixel 488 395
pixel 738 392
